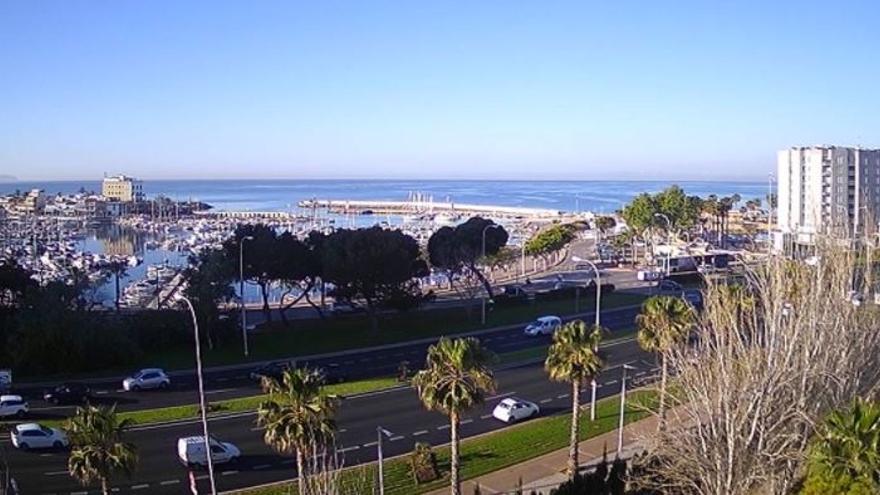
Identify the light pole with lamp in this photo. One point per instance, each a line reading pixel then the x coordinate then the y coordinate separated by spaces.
pixel 598 322
pixel 202 404
pixel 381 432
pixel 668 239
pixel 622 410
pixel 244 335
pixel 483 251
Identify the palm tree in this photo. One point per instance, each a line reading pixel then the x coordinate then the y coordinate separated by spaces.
pixel 573 357
pixel 97 449
pixel 848 443
pixel 456 378
pixel 663 323
pixel 297 416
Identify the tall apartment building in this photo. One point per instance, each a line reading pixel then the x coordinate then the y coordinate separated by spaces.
pixel 827 189
pixel 122 188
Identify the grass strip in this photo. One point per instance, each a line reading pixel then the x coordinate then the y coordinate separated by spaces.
pixel 242 404
pixel 493 451
pixel 530 354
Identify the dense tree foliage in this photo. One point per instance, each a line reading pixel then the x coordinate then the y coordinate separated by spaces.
pixel 374 268
pixel 459 249
pixel 207 287
pixel 683 211
pixel 261 257
pixel 98 450
pixel 550 240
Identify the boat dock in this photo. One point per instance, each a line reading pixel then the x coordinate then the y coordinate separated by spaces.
pixel 377 207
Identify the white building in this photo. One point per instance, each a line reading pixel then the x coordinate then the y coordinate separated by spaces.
pixel 122 188
pixel 826 189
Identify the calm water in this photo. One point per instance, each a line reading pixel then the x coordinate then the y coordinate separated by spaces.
pixel 283 195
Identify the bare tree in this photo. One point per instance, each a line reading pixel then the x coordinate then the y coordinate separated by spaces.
pixel 771 356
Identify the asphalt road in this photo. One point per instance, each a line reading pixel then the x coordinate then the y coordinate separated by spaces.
pixel 233 383
pixel 397 410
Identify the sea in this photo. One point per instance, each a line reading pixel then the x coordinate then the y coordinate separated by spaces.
pixel 284 194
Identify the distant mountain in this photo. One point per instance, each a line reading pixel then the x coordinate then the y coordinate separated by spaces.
pixel 8 178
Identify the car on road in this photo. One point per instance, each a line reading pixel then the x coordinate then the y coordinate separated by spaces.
pixel 148 378
pixel 544 325
pixel 67 393
pixel 36 436
pixel 512 409
pixel 649 275
pixel 670 287
pixel 191 451
pixel 269 370
pixel 13 405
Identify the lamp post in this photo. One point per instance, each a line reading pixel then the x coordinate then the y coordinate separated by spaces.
pixel 598 322
pixel 381 432
pixel 483 300
pixel 202 405
pixel 668 239
pixel 622 410
pixel 244 335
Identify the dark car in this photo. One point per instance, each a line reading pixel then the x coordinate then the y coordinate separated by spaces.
pixel 271 370
pixel 332 375
pixel 67 393
pixel 694 297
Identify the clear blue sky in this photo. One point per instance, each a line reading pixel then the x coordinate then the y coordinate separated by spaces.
pixel 418 89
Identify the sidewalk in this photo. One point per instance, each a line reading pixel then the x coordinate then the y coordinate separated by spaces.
pixel 546 472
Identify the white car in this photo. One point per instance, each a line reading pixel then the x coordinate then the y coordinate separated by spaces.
pixel 191 451
pixel 512 409
pixel 146 379
pixel 544 325
pixel 13 405
pixel 35 436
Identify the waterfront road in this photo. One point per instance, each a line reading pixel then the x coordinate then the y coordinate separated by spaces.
pixel 397 410
pixel 229 383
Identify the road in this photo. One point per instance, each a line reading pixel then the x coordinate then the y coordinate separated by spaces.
pixel 233 383
pixel 397 410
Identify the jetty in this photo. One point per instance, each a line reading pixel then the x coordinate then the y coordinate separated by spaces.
pixel 425 207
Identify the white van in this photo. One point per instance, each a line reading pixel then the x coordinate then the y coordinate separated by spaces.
pixel 544 325
pixel 191 451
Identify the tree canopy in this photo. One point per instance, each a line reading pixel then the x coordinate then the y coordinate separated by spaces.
pixel 460 248
pixel 550 240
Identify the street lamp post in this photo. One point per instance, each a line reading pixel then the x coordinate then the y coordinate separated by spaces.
pixel 202 404
pixel 244 335
pixel 380 432
pixel 598 322
pixel 622 410
pixel 483 300
pixel 668 239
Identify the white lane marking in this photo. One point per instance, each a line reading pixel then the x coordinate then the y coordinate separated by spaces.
pixel 257 428
pixel 56 473
pixel 443 427
pixel 79 493
pixel 140 487
pixel 262 466
pixel 467 421
pixel 169 482
pixel 45 455
pixel 612 382
pixel 219 391
pixel 370 444
pixel 102 392
pixel 342 430
pixel 562 396
pixel 394 439
pixel 493 397
pixel 544 401
pixel 120 390
pixel 349 449
pixel 228 473
pixel 288 462
pixel 202 477
pixel 486 416
pixel 420 432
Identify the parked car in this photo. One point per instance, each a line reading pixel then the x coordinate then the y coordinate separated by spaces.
pixel 670 287
pixel 694 297
pixel 544 325
pixel 191 451
pixel 270 370
pixel 67 393
pixel 13 405
pixel 147 378
pixel 512 409
pixel 36 436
